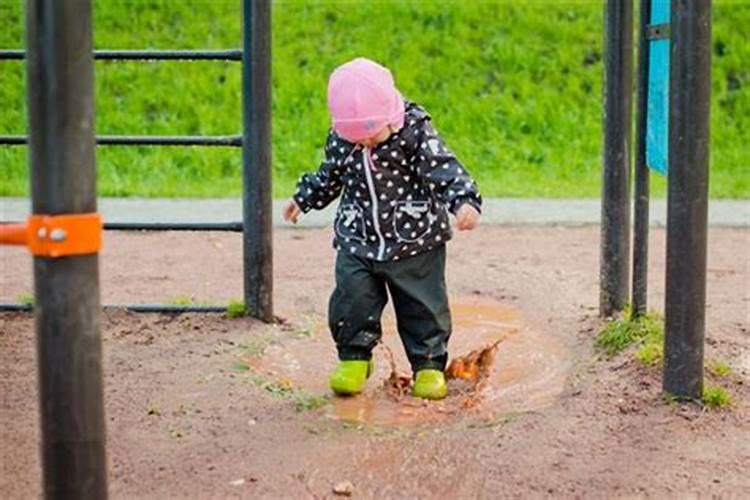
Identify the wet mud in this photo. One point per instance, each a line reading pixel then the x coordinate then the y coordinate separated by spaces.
pixel 500 365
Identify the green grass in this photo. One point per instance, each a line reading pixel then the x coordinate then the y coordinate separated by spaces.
pixel 26 299
pixel 255 346
pixel 718 368
pixel 647 333
pixel 624 331
pixel 305 401
pixel 240 366
pixel 716 397
pixel 284 390
pixel 181 300
pixel 236 309
pixel 514 87
pixel 651 351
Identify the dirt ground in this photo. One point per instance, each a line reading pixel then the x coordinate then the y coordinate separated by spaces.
pixel 203 406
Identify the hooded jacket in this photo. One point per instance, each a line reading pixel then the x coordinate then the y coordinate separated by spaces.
pixel 396 195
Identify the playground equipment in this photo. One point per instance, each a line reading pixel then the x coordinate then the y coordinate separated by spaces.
pixel 61 116
pixel 255 142
pixel 64 232
pixel 672 134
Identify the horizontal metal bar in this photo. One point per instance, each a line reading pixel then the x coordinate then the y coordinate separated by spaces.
pixel 15 307
pixel 147 55
pixel 174 226
pixel 138 308
pixel 186 140
pixel 165 308
pixel 145 140
pixel 13 140
pixel 165 226
pixel 658 31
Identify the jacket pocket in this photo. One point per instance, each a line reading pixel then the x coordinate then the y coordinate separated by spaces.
pixel 412 220
pixel 350 223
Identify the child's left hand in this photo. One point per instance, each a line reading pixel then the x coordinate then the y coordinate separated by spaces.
pixel 467 217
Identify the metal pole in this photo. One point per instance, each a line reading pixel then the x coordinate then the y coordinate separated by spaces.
pixel 640 230
pixel 61 113
pixel 618 82
pixel 687 212
pixel 256 159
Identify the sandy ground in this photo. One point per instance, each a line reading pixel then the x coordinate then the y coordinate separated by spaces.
pixel 203 406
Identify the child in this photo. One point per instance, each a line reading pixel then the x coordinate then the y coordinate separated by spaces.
pixel 398 181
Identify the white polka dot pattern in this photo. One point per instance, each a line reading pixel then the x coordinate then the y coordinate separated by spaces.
pixel 398 206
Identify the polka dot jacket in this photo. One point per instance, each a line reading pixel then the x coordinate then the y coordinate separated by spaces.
pixel 395 195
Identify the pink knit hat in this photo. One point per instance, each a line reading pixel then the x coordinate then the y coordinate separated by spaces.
pixel 363 100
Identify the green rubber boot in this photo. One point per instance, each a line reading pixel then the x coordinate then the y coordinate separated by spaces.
pixel 430 384
pixel 350 376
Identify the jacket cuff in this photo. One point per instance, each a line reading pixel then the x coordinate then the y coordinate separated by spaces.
pixel 302 202
pixel 459 202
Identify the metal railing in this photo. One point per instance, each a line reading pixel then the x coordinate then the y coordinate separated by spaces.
pixel 147 55
pixel 257 204
pixel 144 140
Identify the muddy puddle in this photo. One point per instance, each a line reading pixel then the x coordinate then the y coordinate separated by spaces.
pixel 524 371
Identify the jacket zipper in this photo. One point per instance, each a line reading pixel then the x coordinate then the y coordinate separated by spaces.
pixel 374 198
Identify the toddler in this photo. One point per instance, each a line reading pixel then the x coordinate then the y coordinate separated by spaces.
pixel 399 181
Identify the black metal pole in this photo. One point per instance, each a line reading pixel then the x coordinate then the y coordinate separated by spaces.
pixel 687 209
pixel 641 206
pixel 618 83
pixel 256 159
pixel 61 112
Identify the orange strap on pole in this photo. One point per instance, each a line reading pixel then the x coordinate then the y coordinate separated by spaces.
pixel 56 235
pixel 13 234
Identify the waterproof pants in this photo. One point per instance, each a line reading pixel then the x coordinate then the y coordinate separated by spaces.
pixel 417 287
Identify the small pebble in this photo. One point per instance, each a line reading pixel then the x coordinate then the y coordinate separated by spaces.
pixel 344 488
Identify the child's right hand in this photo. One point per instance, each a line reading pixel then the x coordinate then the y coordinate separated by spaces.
pixel 291 211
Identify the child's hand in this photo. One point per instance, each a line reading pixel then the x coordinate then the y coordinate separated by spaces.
pixel 467 217
pixel 291 211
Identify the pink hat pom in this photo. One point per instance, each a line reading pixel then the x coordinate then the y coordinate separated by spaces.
pixel 363 100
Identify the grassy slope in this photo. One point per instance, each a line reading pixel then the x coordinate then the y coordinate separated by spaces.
pixel 514 87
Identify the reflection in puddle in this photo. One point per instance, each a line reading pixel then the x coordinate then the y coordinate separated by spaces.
pixel 528 372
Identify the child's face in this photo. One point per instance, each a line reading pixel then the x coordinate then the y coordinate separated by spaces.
pixel 377 138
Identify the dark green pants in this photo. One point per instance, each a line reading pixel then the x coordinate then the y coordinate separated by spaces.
pixel 417 287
